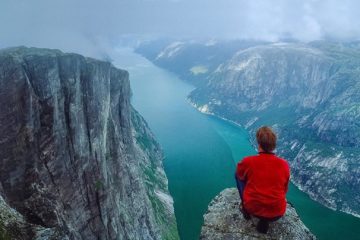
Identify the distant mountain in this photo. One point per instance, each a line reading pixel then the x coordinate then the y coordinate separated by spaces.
pixel 310 93
pixel 191 60
pixel 76 160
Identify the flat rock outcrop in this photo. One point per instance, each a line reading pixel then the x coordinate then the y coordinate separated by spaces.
pixel 223 220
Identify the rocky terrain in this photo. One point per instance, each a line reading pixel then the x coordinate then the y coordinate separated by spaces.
pixel 309 93
pixel 223 220
pixel 76 160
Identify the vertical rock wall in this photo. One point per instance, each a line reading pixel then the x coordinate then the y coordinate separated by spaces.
pixel 68 159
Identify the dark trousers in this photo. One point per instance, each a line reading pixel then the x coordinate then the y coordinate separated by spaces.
pixel 240 186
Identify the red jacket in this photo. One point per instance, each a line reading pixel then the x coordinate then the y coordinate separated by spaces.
pixel 267 178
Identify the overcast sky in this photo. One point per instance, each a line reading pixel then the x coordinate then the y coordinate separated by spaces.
pixel 83 24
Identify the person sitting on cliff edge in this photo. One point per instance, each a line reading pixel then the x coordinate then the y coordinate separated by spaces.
pixel 262 181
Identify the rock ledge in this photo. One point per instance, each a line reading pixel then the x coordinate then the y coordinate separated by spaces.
pixel 224 221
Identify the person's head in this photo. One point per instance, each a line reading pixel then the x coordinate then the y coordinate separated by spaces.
pixel 266 139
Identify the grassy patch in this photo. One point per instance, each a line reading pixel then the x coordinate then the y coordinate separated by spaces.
pixel 196 70
pixel 144 141
pixel 4 235
pixel 98 185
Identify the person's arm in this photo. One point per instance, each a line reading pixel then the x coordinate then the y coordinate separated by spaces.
pixel 287 185
pixel 288 177
pixel 242 168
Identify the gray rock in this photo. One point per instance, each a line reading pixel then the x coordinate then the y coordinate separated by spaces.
pixel 14 226
pixel 69 160
pixel 223 220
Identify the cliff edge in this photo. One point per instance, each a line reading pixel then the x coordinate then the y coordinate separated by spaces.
pixel 76 160
pixel 223 220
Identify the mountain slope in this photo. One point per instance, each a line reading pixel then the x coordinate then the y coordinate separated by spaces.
pixel 71 158
pixel 309 93
pixel 192 61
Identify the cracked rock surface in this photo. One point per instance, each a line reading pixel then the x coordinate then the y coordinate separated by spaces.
pixel 223 220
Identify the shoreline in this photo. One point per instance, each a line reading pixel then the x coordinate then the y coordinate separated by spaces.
pixel 298 186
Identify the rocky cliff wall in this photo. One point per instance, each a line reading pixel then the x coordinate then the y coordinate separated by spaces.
pixel 70 156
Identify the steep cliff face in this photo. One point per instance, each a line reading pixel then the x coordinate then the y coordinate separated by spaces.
pixel 149 155
pixel 72 159
pixel 309 93
pixel 311 99
pixel 223 220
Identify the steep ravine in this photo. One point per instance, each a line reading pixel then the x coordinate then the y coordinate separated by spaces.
pixel 76 160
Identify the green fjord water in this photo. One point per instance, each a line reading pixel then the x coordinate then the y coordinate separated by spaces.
pixel 201 152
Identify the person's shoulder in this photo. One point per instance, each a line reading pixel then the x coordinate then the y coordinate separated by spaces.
pixel 252 156
pixel 283 161
pixel 247 158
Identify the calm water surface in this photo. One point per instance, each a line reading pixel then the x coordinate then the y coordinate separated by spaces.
pixel 201 152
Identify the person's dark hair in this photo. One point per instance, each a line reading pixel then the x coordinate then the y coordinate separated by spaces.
pixel 266 138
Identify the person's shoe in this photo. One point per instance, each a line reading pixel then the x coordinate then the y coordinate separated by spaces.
pixel 245 214
pixel 262 226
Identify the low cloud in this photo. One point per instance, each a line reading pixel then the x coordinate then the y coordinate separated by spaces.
pixel 90 26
